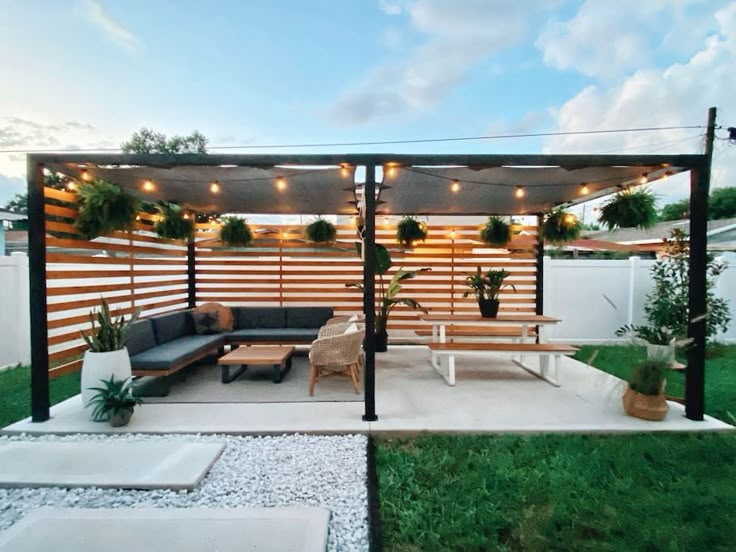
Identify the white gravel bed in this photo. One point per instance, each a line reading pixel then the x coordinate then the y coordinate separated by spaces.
pixel 286 470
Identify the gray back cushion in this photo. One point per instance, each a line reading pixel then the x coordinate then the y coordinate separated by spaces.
pixel 307 317
pixel 260 317
pixel 172 326
pixel 141 337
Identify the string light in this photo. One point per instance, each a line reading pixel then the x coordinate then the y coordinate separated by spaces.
pixel 72 186
pixel 85 175
pixel 345 170
pixel 520 192
pixel 215 187
pixel 280 183
pixel 455 186
pixel 137 217
pixel 584 190
pixel 148 185
pixel 391 170
pixel 666 176
pixel 186 216
pixel 452 234
pixel 643 179
pixel 570 219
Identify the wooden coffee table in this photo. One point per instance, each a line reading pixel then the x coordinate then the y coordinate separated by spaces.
pixel 277 357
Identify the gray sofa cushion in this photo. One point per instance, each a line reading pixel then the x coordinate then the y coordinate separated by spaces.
pixel 174 352
pixel 301 335
pixel 172 326
pixel 260 317
pixel 307 317
pixel 141 337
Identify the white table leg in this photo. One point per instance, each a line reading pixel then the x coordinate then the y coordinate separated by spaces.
pixel 451 370
pixel 443 337
pixel 434 333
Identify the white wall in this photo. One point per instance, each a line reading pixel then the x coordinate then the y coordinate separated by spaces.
pixel 593 298
pixel 14 311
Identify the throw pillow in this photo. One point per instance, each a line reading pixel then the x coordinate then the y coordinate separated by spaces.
pixel 206 323
pixel 351 328
pixel 224 314
pixel 354 318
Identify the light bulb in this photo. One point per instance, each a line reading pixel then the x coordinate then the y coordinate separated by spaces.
pixel 520 192
pixel 148 185
pixel 643 179
pixel 452 234
pixel 85 175
pixel 72 186
pixel 186 216
pixel 345 171
pixel 570 219
pixel 280 183
pixel 391 170
pixel 584 190
pixel 215 187
pixel 455 186
pixel 666 176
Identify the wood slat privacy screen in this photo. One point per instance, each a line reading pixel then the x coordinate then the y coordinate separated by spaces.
pixel 140 270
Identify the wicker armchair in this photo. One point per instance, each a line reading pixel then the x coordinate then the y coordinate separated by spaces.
pixel 344 319
pixel 335 353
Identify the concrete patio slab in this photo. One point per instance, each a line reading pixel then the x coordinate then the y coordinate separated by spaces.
pixel 181 529
pixel 137 465
pixel 492 395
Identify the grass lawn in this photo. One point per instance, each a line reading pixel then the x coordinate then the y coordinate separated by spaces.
pixel 664 491
pixel 15 387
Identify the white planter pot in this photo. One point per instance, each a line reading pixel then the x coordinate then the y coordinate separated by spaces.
pixel 102 366
pixel 661 352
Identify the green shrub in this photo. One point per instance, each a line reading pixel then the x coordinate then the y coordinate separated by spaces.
pixel 496 232
pixel 103 208
pixel 628 209
pixel 410 230
pixel 236 232
pixel 320 231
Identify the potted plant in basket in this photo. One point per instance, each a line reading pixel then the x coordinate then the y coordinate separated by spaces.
pixel 320 231
pixel 107 355
pixel 410 231
pixel 114 402
pixel 486 288
pixel 644 395
pixel 496 232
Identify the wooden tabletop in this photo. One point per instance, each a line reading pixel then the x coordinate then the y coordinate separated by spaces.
pixel 257 355
pixel 501 318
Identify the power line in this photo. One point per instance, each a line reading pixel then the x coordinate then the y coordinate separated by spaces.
pixel 388 142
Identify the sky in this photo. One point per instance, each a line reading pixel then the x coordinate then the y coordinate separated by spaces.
pixel 89 73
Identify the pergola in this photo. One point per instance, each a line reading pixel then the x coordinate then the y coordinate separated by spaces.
pixel 412 184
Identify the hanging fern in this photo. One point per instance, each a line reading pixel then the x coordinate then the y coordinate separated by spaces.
pixel 103 208
pixel 410 230
pixel 496 232
pixel 628 209
pixel 235 232
pixel 172 224
pixel 559 226
pixel 321 231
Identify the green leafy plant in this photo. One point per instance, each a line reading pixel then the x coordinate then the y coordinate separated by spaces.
pixel 172 223
pixel 103 208
pixel 496 232
pixel 114 397
pixel 487 286
pixel 648 377
pixel 235 232
pixel 386 294
pixel 409 231
pixel 112 333
pixel 320 231
pixel 559 226
pixel 629 208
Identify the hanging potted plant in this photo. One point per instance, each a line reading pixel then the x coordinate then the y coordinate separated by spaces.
pixel 409 231
pixel 386 295
pixel 107 355
pixel 644 395
pixel 173 223
pixel 103 208
pixel 320 231
pixel 486 288
pixel 114 401
pixel 559 226
pixel 629 208
pixel 235 232
pixel 496 232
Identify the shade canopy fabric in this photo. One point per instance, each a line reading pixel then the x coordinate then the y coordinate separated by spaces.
pixel 249 185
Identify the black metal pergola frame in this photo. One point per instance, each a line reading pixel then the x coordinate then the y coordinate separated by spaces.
pixel 699 166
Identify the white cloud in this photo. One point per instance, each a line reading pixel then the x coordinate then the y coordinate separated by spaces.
pixel 675 96
pixel 391 7
pixel 113 29
pixel 460 34
pixel 607 39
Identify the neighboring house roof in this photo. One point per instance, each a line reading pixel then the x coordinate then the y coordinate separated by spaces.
pixel 661 230
pixel 11 216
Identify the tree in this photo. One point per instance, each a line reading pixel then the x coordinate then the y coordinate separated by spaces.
pixel 150 141
pixel 722 203
pixel 18 204
pixel 675 211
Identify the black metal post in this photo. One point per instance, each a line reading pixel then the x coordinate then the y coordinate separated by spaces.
pixel 369 293
pixel 37 282
pixel 699 189
pixel 539 287
pixel 191 273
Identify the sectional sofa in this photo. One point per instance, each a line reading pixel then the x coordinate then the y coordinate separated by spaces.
pixel 164 344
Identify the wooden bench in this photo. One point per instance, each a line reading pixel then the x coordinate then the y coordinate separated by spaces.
pixel 446 353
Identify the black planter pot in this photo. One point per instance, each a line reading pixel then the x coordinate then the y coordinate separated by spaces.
pixel 121 418
pixel 488 308
pixel 382 341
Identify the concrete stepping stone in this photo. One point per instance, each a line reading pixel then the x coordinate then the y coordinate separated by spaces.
pixel 179 529
pixel 107 464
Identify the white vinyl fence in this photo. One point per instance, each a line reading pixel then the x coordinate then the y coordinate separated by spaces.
pixel 592 298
